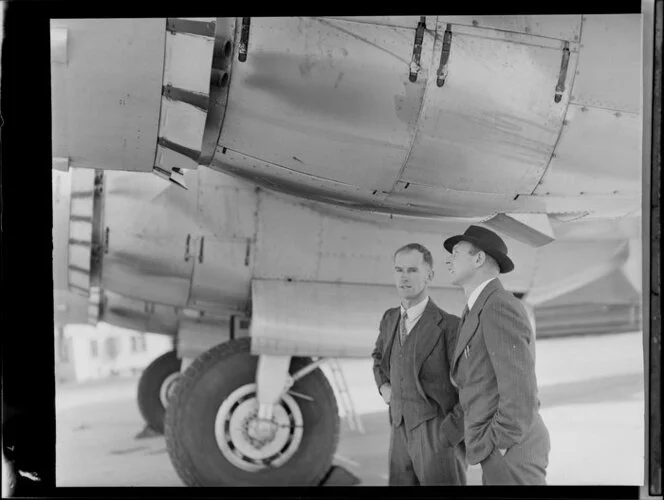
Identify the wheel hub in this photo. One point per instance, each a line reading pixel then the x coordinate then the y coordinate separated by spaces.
pixel 167 388
pixel 254 444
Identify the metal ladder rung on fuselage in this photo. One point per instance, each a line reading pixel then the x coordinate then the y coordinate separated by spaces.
pixel 339 380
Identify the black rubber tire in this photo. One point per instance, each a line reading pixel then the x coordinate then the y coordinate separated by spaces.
pixel 191 414
pixel 149 385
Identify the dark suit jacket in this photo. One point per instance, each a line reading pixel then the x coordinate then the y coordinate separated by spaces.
pixel 432 352
pixel 494 367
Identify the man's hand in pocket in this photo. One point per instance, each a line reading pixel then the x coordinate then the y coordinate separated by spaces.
pixel 386 392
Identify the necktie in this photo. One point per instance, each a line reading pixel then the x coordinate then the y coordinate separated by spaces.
pixel 403 331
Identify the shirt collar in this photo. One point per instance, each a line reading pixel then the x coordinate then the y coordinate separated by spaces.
pixel 472 298
pixel 416 310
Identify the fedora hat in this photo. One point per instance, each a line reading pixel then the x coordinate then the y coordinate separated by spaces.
pixel 487 241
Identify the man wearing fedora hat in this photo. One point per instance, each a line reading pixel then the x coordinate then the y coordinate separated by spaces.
pixel 493 366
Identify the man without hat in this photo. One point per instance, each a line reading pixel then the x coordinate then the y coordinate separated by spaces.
pixel 493 366
pixel 411 368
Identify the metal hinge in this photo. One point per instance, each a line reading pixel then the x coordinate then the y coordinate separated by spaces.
pixel 186 248
pixel 444 56
pixel 200 250
pixel 417 49
pixel 560 88
pixel 244 39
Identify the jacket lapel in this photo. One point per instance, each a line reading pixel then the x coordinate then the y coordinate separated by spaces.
pixel 391 330
pixel 469 327
pixel 427 337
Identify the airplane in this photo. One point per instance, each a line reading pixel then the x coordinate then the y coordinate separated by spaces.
pixel 291 157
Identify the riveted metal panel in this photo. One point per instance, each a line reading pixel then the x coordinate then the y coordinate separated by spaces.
pixel 319 96
pixel 394 21
pixel 163 319
pixel 599 152
pixel 289 180
pixel 226 206
pixel 287 240
pixel 562 27
pixel 148 220
pixel 609 72
pixel 492 127
pixel 222 272
pixel 429 199
pixel 326 319
pixel 302 244
pixel 125 312
pixel 196 336
pixel 105 99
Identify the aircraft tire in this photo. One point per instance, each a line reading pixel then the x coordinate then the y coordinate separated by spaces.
pixel 152 387
pixel 210 417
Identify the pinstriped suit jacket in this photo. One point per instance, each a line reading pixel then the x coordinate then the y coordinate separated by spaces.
pixel 494 367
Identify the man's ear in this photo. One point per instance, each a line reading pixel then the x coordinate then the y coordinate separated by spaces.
pixel 480 258
pixel 430 276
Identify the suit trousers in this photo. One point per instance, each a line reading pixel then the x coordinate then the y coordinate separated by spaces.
pixel 422 456
pixel 523 463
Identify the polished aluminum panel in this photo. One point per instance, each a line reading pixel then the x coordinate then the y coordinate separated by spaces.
pixel 599 153
pixel 326 319
pixel 106 97
pixel 226 205
pixel 609 70
pixel 125 312
pixel 197 335
pixel 327 98
pixel 222 273
pixel 394 21
pixel 149 221
pixel 314 246
pixel 493 126
pixel 561 27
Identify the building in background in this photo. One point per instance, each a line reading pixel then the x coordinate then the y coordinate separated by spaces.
pixel 84 352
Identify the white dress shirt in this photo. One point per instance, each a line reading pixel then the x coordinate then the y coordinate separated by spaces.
pixel 414 313
pixel 472 298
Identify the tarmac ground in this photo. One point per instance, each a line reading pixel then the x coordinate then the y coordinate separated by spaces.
pixel 591 390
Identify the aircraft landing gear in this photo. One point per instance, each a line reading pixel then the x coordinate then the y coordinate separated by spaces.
pixel 217 433
pixel 155 388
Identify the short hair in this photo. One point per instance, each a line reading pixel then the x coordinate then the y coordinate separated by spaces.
pixel 426 254
pixel 474 250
